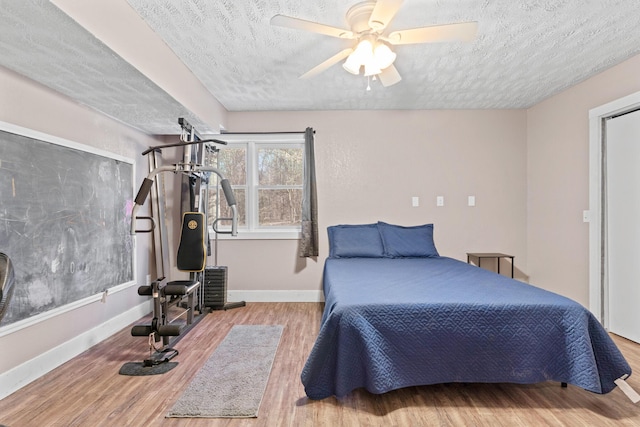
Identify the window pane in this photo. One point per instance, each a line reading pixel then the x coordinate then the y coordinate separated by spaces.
pixel 281 207
pixel 232 162
pixel 225 211
pixel 280 166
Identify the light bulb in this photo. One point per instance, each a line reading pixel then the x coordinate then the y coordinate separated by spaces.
pixel 352 65
pixel 364 51
pixel 384 56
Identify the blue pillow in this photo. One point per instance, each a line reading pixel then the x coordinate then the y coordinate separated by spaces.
pixel 415 241
pixel 355 241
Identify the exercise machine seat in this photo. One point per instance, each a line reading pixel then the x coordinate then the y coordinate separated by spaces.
pixel 191 257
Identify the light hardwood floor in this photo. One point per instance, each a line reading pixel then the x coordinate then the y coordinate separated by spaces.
pixel 87 391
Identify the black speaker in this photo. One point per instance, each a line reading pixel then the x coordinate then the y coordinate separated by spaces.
pixel 215 286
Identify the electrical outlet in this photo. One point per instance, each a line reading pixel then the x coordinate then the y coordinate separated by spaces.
pixel 415 201
pixel 440 201
pixel 471 201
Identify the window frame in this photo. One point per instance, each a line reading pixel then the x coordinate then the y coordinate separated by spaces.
pixel 251 143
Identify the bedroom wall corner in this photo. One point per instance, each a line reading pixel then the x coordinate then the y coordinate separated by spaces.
pixel 558 179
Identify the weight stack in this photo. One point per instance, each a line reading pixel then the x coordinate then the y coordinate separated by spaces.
pixel 215 286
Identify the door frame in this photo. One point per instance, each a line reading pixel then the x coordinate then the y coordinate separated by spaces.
pixel 598 283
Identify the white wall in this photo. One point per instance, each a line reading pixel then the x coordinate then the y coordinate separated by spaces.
pixel 369 165
pixel 29 352
pixel 558 179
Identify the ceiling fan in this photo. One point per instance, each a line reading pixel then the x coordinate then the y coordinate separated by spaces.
pixel 368 22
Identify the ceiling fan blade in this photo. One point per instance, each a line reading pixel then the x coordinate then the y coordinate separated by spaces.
pixel 383 13
pixel 326 64
pixel 464 31
pixel 314 27
pixel 389 76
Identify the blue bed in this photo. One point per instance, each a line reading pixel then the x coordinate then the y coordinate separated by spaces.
pixel 393 321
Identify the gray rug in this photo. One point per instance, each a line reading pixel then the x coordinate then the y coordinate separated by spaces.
pixel 232 382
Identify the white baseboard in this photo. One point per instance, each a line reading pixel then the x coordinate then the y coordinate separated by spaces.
pixel 275 296
pixel 23 374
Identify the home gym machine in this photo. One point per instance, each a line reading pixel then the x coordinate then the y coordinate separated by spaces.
pixel 193 246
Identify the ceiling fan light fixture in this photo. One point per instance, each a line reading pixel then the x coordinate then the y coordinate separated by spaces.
pixel 374 55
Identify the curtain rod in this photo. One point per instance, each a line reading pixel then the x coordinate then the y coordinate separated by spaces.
pixel 260 133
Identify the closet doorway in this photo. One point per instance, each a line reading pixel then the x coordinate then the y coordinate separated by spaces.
pixel 622 213
pixel 615 217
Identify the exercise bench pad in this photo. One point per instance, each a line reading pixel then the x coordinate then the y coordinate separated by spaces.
pixel 192 251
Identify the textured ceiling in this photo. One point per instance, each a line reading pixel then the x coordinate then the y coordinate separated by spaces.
pixel 526 51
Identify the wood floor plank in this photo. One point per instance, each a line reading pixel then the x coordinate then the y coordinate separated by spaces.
pixel 88 391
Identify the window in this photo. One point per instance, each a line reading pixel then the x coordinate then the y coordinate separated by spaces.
pixel 266 174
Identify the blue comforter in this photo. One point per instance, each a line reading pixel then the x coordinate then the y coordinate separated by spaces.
pixel 393 323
